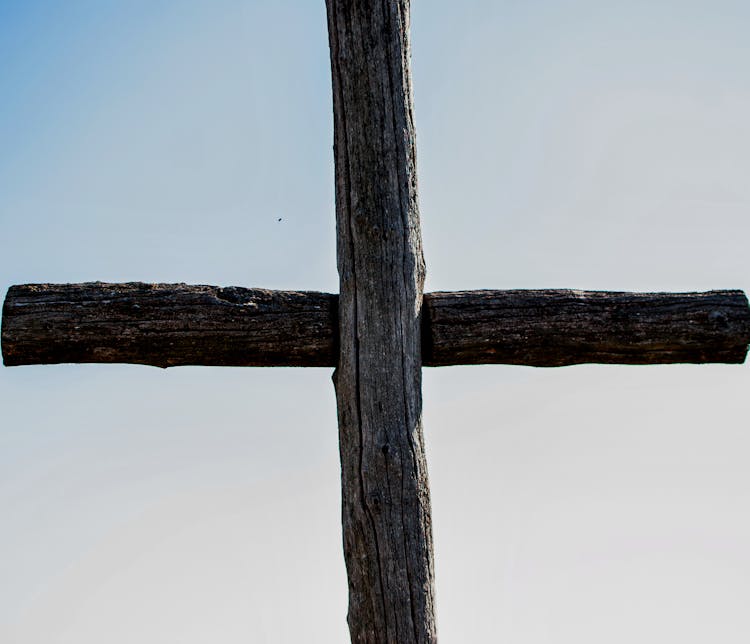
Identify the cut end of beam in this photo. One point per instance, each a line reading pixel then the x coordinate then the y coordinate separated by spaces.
pixel 167 325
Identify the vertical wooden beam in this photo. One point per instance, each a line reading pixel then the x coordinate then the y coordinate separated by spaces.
pixel 386 505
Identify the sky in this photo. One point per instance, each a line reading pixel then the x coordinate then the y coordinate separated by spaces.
pixel 566 144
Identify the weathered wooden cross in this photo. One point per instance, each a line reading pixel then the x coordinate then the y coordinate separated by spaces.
pixel 378 332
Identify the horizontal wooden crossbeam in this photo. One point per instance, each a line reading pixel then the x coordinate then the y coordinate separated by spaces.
pixel 167 325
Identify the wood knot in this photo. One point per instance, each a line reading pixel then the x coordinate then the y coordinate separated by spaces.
pixel 718 319
pixel 375 502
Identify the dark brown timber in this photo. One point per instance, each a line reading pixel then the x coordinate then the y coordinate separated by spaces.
pixel 564 327
pixel 386 504
pixel 175 324
pixel 166 325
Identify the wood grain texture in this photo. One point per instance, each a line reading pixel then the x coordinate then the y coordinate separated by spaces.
pixel 565 327
pixel 176 324
pixel 386 505
pixel 167 325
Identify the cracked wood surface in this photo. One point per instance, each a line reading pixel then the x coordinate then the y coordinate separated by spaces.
pixel 177 324
pixel 386 504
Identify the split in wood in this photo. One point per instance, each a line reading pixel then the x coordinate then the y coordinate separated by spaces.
pixel 167 325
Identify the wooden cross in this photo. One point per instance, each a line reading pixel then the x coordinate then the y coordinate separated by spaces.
pixel 378 332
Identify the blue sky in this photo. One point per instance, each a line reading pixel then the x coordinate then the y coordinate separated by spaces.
pixel 561 144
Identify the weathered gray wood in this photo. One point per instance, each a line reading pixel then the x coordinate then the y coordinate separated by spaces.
pixel 166 325
pixel 386 504
pixel 177 324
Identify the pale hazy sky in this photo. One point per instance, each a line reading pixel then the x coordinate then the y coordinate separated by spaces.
pixel 575 144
